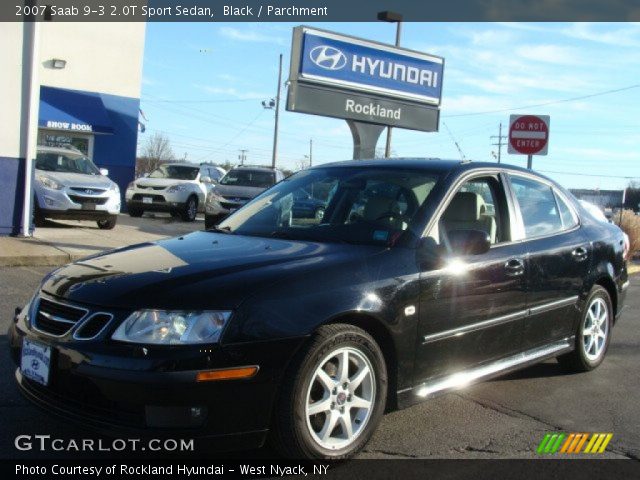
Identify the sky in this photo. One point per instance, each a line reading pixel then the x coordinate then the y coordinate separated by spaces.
pixel 203 84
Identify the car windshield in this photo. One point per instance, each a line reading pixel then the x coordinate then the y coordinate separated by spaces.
pixel 65 163
pixel 175 172
pixel 337 204
pixel 249 178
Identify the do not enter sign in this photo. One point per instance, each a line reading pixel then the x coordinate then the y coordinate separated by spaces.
pixel 529 134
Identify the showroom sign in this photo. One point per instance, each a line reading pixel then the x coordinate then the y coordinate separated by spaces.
pixel 356 79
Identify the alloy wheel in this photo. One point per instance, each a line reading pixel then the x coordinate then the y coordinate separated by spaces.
pixel 192 208
pixel 595 329
pixel 340 398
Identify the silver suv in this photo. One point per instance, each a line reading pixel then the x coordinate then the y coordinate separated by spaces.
pixel 177 188
pixel 68 185
pixel 236 188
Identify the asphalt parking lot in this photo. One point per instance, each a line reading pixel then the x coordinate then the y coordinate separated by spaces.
pixel 505 418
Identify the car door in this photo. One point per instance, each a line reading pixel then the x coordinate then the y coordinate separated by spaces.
pixel 558 259
pixel 471 306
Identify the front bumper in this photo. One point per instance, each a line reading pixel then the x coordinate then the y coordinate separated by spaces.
pixel 119 389
pixel 69 204
pixel 222 206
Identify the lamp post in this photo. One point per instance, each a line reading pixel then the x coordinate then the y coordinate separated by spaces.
pixel 274 104
pixel 391 17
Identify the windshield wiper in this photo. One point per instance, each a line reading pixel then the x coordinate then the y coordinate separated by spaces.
pixel 225 230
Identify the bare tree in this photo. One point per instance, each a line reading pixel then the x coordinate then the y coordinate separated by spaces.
pixel 155 152
pixel 302 164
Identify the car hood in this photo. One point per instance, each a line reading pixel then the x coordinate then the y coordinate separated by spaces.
pixel 202 270
pixel 79 179
pixel 160 182
pixel 235 191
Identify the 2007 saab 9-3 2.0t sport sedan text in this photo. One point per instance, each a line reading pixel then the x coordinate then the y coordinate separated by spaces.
pixel 421 276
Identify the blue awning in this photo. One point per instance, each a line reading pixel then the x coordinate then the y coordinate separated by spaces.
pixel 72 110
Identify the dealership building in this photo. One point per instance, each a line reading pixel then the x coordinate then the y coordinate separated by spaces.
pixel 67 84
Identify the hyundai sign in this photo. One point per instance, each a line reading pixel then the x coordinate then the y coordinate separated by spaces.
pixel 356 64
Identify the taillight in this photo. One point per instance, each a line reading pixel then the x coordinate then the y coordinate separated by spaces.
pixel 627 246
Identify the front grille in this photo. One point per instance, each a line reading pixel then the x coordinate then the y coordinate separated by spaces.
pixel 92 326
pixel 90 200
pixel 88 191
pixel 144 187
pixel 57 318
pixel 156 198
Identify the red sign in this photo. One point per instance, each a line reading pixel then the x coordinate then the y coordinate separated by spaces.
pixel 529 134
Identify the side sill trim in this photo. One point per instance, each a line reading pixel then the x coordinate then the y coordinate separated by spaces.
pixel 458 380
pixel 492 322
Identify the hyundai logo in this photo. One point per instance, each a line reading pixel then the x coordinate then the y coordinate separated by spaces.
pixel 329 58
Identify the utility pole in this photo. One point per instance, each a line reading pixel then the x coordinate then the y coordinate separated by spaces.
pixel 500 138
pixel 243 156
pixel 396 18
pixel 275 129
pixel 311 152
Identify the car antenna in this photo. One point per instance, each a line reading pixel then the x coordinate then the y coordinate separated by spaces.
pixel 462 157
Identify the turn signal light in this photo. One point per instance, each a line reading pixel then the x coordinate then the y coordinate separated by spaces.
pixel 226 374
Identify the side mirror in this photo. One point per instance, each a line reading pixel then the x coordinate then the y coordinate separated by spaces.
pixel 104 172
pixel 205 179
pixel 469 242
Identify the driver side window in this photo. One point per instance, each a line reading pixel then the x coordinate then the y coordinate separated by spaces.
pixel 479 204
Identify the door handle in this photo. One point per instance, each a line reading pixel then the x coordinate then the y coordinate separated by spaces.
pixel 514 267
pixel 580 254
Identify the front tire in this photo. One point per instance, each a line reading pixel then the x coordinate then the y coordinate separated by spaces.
pixel 190 209
pixel 593 334
pixel 333 395
pixel 108 223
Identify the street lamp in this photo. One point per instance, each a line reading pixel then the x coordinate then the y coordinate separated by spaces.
pixel 274 104
pixel 391 17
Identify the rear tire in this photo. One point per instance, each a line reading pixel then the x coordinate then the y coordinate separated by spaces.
pixel 325 410
pixel 135 212
pixel 190 209
pixel 108 223
pixel 593 334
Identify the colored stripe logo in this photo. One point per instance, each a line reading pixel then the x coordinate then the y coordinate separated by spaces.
pixel 571 443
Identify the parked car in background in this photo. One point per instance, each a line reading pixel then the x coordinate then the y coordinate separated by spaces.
pixel 69 186
pixel 307 205
pixel 177 188
pixel 236 188
pixel 308 331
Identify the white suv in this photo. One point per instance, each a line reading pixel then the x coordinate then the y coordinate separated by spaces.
pixel 177 188
pixel 69 186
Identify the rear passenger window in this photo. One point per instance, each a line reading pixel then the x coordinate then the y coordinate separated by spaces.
pixel 538 206
pixel 569 220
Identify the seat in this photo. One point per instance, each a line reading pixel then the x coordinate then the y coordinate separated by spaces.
pixel 468 211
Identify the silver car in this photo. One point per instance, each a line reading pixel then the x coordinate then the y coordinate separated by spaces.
pixel 236 188
pixel 68 185
pixel 177 188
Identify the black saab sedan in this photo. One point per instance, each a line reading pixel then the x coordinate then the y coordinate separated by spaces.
pixel 421 276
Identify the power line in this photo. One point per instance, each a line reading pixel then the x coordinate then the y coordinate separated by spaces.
pixel 500 138
pixel 589 174
pixel 226 100
pixel 554 102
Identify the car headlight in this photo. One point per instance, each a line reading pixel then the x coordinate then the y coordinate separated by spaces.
pixel 161 327
pixel 213 195
pixel 49 182
pixel 176 188
pixel 114 188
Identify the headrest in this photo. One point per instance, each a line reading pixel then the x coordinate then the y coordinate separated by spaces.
pixel 376 206
pixel 465 207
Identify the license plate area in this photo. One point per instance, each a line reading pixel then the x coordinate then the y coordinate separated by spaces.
pixel 88 206
pixel 35 361
pixel 147 200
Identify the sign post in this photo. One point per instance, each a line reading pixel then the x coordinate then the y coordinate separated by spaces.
pixel 369 84
pixel 529 135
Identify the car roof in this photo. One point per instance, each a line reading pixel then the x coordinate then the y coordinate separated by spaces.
pixel 45 148
pixel 431 164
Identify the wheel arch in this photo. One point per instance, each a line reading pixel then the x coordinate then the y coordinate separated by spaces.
pixel 609 285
